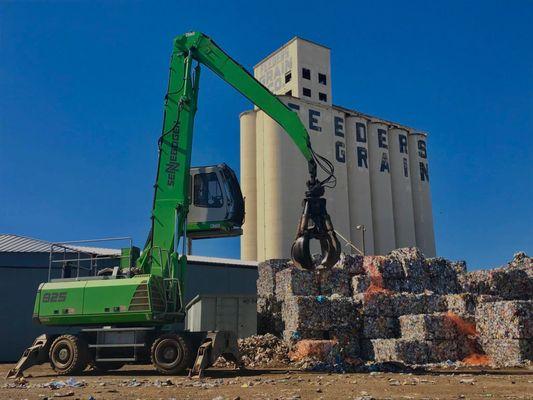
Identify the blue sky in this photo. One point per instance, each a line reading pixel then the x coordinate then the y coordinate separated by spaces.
pixel 82 86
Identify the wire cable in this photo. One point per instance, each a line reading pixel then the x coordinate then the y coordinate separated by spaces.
pixel 328 168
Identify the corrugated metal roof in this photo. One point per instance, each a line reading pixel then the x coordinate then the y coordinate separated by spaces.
pixel 22 244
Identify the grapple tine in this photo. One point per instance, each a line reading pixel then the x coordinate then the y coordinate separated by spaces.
pixel 315 224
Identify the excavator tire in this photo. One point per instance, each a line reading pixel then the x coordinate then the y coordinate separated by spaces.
pixel 68 355
pixel 171 354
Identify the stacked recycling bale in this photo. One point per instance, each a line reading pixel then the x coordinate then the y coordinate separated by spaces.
pixel 318 305
pixel 512 282
pixel 399 307
pixel 506 331
pixel 268 307
pixel 425 338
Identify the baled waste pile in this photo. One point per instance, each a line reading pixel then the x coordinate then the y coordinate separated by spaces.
pixel 402 307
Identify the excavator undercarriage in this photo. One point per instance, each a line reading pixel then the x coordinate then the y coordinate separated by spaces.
pixel 110 348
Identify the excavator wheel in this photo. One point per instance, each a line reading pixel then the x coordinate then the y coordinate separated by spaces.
pixel 171 354
pixel 68 355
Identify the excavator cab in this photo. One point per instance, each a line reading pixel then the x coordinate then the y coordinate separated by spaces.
pixel 216 204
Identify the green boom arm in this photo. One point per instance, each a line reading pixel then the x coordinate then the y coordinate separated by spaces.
pixel 207 52
pixel 170 205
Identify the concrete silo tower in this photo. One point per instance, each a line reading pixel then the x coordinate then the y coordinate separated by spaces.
pixel 374 161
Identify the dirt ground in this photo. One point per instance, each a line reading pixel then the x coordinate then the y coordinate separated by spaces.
pixel 140 382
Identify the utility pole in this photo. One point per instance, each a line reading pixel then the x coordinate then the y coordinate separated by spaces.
pixel 363 230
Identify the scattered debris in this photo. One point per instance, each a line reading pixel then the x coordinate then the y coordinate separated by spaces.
pixel 64 394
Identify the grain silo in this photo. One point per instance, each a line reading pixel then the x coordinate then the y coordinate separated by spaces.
pixel 333 126
pixel 375 184
pixel 425 237
pixel 380 188
pixel 359 184
pixel 404 221
pixel 249 184
pixel 260 188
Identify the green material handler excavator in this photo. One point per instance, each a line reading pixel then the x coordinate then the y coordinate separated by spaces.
pixel 127 315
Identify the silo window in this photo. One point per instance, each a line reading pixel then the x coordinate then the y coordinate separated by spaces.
pixel 307 92
pixel 322 79
pixel 306 73
pixel 288 77
pixel 288 93
pixel 322 96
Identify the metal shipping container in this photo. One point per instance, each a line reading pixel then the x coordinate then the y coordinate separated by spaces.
pixel 236 313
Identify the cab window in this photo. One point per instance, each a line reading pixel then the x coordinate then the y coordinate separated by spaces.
pixel 207 190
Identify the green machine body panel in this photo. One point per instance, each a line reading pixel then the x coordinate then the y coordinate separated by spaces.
pixel 136 300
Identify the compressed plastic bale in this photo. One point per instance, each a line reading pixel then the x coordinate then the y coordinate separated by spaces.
pixel 508 352
pixel 269 318
pixel 522 260
pixel 463 304
pixel 386 267
pixel 318 350
pixel 414 275
pixel 410 303
pixel 443 350
pixel 380 327
pixel 301 313
pixel 320 313
pixel 395 285
pixel 348 339
pixel 427 327
pixel 408 257
pixel 434 303
pixel 441 276
pixel 477 282
pixel 401 350
pixel 459 267
pixel 360 284
pixel 505 319
pixel 366 349
pixel 378 303
pixel 382 284
pixel 487 298
pixel 266 275
pixel 344 312
pixel 295 282
pixel 333 281
pixel 519 280
pixel 512 283
pixel 352 264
